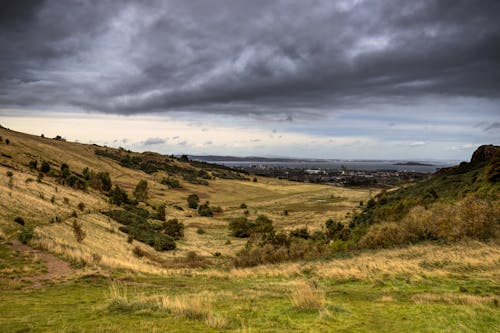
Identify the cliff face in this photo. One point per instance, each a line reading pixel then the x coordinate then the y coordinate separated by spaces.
pixel 485 153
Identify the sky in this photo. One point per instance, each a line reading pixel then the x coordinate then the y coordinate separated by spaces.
pixel 346 79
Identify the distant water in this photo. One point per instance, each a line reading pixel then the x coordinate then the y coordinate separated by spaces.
pixel 337 165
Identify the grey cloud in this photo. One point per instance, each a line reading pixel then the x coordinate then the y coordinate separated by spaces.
pixel 493 126
pixel 154 141
pixel 291 59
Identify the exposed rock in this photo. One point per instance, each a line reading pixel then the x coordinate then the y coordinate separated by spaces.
pixel 485 153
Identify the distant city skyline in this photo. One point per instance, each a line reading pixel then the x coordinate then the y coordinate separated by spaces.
pixel 326 79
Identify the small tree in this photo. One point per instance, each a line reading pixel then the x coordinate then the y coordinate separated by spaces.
pixel 7 141
pixel 240 227
pixel 78 231
pixel 174 229
pixel 65 171
pixel 45 168
pixel 118 196
pixel 205 210
pixel 141 190
pixel 161 212
pixel 193 201
pixel 33 165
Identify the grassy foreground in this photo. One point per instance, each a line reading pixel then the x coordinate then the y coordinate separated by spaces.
pixel 440 289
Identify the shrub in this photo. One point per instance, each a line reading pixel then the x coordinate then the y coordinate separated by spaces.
pixel 205 210
pixel 254 179
pixel 469 218
pixel 118 196
pixel 240 227
pixel 100 181
pixel 217 209
pixel 45 168
pixel 27 233
pixel 33 165
pixel 141 230
pixel 263 225
pixel 163 243
pixel 74 214
pixel 336 230
pixel 10 174
pixel 171 182
pixel 138 252
pixel 39 178
pixel 300 233
pixel 243 206
pixel 78 231
pixel 141 190
pixel 7 141
pixel 19 220
pixel 65 171
pixel 160 212
pixel 173 228
pixel 200 231
pixel 81 206
pixel 193 201
pixel 76 182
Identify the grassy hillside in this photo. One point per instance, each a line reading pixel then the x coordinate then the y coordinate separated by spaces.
pixel 292 273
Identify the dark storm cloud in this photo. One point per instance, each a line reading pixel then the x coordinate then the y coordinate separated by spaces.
pixel 259 57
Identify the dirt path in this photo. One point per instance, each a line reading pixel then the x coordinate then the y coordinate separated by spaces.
pixel 57 269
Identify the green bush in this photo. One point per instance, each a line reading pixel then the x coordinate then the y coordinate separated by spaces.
pixel 78 231
pixel 45 168
pixel 193 201
pixel 205 210
pixel 141 190
pixel 118 196
pixel 33 165
pixel 300 233
pixel 160 212
pixel 173 228
pixel 263 225
pixel 141 230
pixel 240 227
pixel 27 233
pixel 171 182
pixel 19 220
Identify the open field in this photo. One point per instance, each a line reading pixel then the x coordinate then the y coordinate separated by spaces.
pixel 101 285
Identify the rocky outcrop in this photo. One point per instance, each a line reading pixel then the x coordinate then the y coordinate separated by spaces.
pixel 485 153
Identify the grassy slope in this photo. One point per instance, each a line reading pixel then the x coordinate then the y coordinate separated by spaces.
pixel 446 186
pixel 421 288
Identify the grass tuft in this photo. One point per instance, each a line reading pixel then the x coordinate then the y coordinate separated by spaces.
pixel 307 296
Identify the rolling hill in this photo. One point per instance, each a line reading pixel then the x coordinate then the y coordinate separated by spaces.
pixel 114 246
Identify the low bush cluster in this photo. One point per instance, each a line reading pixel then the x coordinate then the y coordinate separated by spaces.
pixel 135 224
pixel 265 245
pixel 469 218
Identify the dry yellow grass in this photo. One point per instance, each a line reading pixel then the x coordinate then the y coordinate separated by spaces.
pixel 307 296
pixel 453 299
pixel 194 307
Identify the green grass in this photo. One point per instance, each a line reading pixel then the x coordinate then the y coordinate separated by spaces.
pixel 16 268
pixel 261 304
